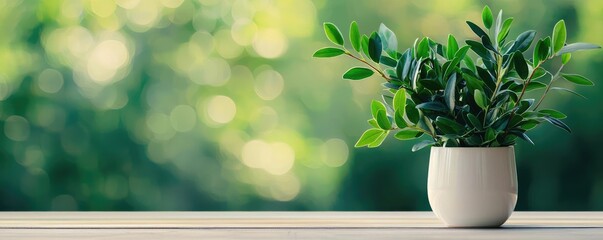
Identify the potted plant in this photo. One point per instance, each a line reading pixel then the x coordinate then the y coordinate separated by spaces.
pixel 471 110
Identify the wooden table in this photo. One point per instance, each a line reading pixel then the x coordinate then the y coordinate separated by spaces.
pixel 288 225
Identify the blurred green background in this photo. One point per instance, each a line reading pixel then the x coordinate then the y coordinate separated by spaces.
pixel 218 105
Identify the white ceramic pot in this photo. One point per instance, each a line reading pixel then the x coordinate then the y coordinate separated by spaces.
pixel 472 187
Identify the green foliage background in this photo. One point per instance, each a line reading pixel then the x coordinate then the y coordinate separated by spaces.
pixel 218 105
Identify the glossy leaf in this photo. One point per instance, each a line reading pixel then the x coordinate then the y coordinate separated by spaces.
pixel 357 73
pixel 374 47
pixel 355 38
pixel 450 92
pixel 383 121
pixel 388 61
pixel 388 39
pixel 521 65
pixel 523 41
pixel 498 24
pixel 565 58
pixel 487 17
pixel 558 123
pixel 476 29
pixel 480 99
pixel 364 45
pixel 328 52
pixel 333 33
pixel 460 55
pixel 379 140
pixel 368 137
pixel 578 79
pixel 456 127
pixel 452 47
pixel 373 123
pixel 422 144
pixel 377 106
pixel 474 121
pixel 523 136
pixel 569 91
pixel 433 106
pixel 423 48
pixel 553 113
pixel 533 85
pixel 399 119
pixel 572 47
pixel 399 102
pixel 407 134
pixel 559 36
pixel 504 31
pixel 412 113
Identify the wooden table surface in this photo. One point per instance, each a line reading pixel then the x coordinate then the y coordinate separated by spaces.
pixel 288 225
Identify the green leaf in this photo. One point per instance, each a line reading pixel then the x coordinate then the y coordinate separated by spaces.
pixel 479 49
pixel 569 91
pixel 374 47
pixel 480 99
pixel 524 105
pixel 533 85
pixel 377 106
pixel 355 36
pixel 476 29
pixel 399 119
pixel 553 113
pixel 333 33
pixel 460 54
pixel 379 140
pixel 407 134
pixel 364 45
pixel 521 65
pixel 469 63
pixel 388 39
pixel 328 52
pixel 373 123
pixel 422 145
pixel 545 49
pixel 357 73
pixel 559 36
pixel 523 136
pixel 450 93
pixel 578 79
pixel 412 113
pixel 443 122
pixel 541 51
pixel 490 134
pixel 452 47
pixel 558 123
pixel 523 41
pixel 565 58
pixel 400 101
pixel 475 122
pixel 368 137
pixel 572 47
pixel 388 61
pixel 487 17
pixel 498 25
pixel 383 121
pixel 422 50
pixel 433 106
pixel 504 31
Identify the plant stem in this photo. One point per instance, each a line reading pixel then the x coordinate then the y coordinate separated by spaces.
pixel 525 86
pixel 370 65
pixel 548 87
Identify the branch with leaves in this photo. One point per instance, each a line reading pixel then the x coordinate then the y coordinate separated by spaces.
pixel 441 91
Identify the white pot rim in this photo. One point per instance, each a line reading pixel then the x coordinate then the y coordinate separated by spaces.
pixel 503 147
